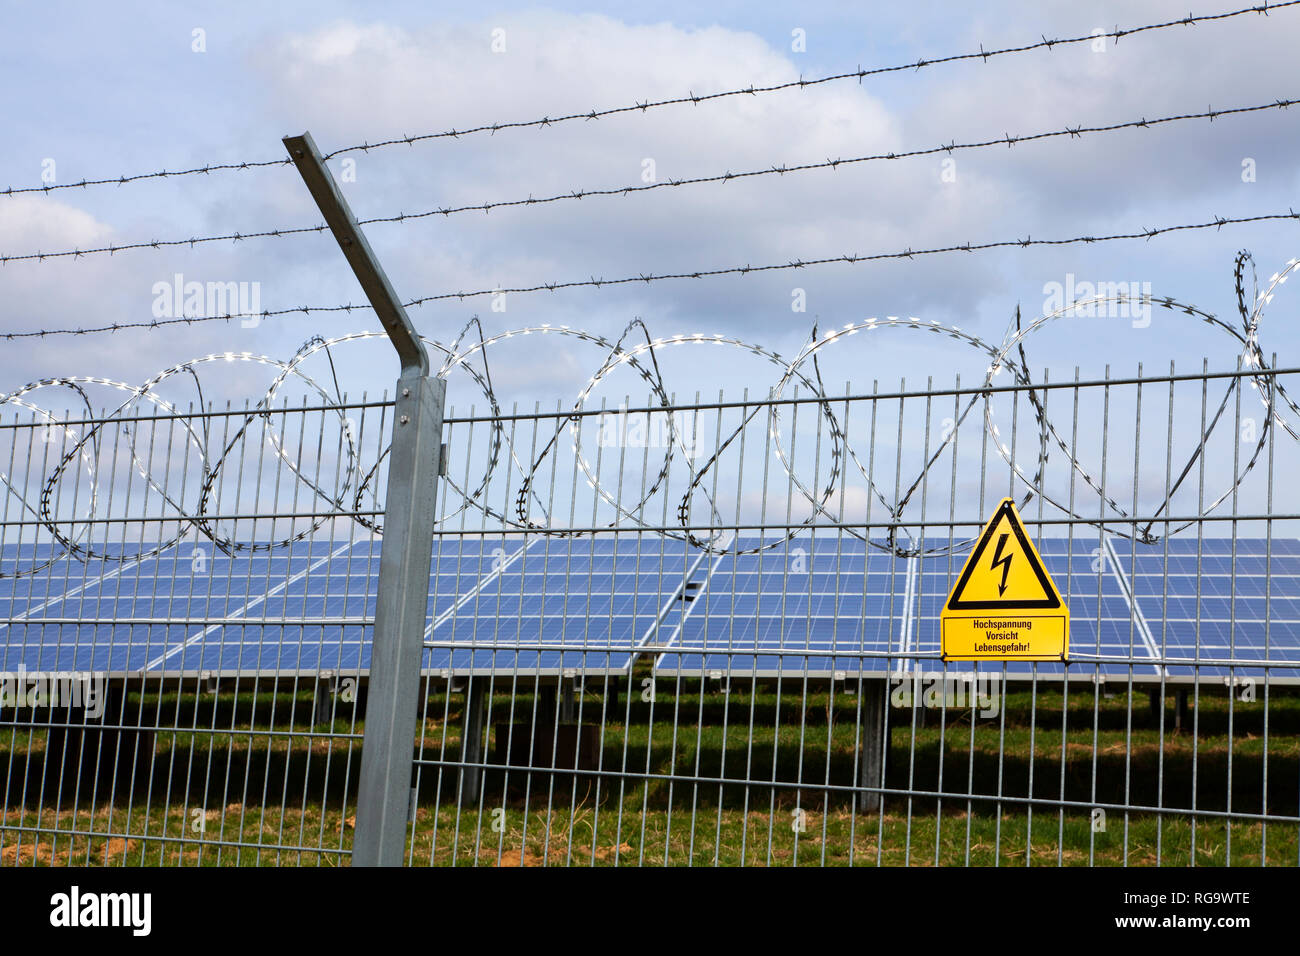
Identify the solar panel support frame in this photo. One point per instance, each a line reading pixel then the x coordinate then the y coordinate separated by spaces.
pixel 472 752
pixel 874 745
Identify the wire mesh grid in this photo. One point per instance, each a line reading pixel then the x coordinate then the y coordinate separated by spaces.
pixel 661 633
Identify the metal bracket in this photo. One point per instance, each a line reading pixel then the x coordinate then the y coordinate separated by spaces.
pixel 338 216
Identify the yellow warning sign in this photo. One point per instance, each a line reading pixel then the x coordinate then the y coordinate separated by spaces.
pixel 1004 606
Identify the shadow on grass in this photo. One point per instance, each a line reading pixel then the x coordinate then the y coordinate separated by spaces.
pixel 204 768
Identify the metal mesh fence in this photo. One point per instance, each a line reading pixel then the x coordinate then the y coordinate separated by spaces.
pixel 661 632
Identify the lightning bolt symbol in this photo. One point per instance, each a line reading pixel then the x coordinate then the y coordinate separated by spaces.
pixel 1005 561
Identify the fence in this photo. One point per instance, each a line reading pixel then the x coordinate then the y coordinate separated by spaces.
pixel 662 631
pixel 659 632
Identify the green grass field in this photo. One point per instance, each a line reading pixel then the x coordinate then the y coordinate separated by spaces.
pixel 696 778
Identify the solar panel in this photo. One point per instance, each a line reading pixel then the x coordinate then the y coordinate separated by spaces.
pixel 548 606
pixel 537 604
pixel 566 604
pixel 177 611
pixel 1237 603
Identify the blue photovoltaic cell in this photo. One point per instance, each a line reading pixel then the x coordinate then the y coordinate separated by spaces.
pixel 1220 604
pixel 577 604
pixel 816 600
pixel 341 585
pixel 80 592
pixel 195 589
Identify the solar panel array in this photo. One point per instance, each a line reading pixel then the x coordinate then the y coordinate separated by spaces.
pixel 819 606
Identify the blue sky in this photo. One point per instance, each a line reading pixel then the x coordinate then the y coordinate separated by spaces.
pixel 107 93
pixel 106 90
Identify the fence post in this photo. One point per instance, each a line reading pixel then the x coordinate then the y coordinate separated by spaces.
pixel 384 794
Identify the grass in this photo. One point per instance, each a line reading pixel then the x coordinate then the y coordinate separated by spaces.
pixel 760 776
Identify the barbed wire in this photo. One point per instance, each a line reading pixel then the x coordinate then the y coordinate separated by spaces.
pixel 83 456
pixel 1006 139
pixel 642 107
pixel 1218 222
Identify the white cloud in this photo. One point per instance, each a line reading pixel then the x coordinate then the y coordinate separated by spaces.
pixel 447 77
pixel 39 223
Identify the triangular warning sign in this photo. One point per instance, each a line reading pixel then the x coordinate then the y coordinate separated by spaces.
pixel 1004 571
pixel 1004 605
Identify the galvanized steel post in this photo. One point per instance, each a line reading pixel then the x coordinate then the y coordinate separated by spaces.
pixel 384 796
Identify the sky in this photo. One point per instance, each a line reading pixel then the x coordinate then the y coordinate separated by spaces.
pixel 101 91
